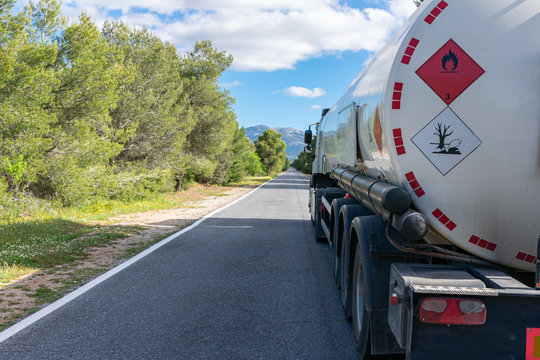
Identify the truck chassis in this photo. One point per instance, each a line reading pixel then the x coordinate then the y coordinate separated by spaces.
pixel 395 299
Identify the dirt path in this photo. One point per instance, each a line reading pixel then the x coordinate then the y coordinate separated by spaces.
pixel 33 292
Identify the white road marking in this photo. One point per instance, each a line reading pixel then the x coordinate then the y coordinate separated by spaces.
pixel 231 226
pixel 9 332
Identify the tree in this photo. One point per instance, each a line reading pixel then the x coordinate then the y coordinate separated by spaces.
pixel 271 150
pixel 304 161
pixel 27 80
pixel 207 153
pixel 287 164
pixel 254 165
pixel 151 119
pixel 83 137
pixel 115 113
pixel 242 147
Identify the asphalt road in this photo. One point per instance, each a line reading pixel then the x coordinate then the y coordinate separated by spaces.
pixel 248 283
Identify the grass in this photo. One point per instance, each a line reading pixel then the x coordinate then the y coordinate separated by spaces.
pixel 46 295
pixel 44 244
pixel 9 273
pixel 254 180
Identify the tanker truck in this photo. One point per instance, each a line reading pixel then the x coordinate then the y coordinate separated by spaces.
pixel 426 184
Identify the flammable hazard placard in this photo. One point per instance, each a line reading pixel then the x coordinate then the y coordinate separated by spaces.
pixel 449 71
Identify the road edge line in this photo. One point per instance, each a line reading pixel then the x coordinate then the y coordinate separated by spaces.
pixel 23 324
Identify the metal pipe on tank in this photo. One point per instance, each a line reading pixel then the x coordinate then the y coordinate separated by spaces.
pixel 390 202
pixel 380 195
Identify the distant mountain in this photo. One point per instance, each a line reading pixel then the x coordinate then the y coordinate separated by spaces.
pixel 294 138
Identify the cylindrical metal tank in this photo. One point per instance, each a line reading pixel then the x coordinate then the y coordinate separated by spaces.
pixel 450 110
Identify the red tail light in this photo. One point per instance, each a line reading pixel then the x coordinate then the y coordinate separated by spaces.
pixel 452 311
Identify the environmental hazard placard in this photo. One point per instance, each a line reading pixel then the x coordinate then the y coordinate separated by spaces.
pixel 446 141
pixel 449 71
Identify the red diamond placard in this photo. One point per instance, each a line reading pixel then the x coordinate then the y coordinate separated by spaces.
pixel 449 71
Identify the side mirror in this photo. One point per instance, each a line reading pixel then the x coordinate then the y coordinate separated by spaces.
pixel 308 135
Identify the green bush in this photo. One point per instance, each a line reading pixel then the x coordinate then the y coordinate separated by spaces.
pixel 254 166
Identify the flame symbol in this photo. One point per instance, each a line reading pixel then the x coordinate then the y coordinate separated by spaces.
pixel 450 57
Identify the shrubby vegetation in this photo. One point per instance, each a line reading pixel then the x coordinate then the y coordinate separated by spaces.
pixel 115 113
pixel 304 161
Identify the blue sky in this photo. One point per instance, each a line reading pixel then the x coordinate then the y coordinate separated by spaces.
pixel 291 57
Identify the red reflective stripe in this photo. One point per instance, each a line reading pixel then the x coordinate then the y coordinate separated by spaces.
pixel 398 141
pixel 409 50
pixel 410 176
pixel 451 225
pixel 474 239
pixel 482 243
pixel 400 150
pixel 420 192
pixel 414 42
pixel 435 12
pixel 396 105
pixel 405 59
pixel 414 184
pixel 429 19
pixel 442 5
pixel 532 335
pixel 444 219
pixel 526 257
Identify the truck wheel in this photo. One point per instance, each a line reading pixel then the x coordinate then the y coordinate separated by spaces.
pixel 348 213
pixel 336 247
pixel 345 286
pixel 337 230
pixel 317 215
pixel 360 317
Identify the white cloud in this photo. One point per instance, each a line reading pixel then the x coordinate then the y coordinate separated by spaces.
pixel 262 35
pixel 232 84
pixel 316 107
pixel 298 91
pixel 401 9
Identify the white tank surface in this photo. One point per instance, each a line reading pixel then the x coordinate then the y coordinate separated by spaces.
pixel 450 110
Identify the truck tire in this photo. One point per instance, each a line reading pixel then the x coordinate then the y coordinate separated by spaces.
pixel 319 234
pixel 348 213
pixel 366 288
pixel 360 316
pixel 336 231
